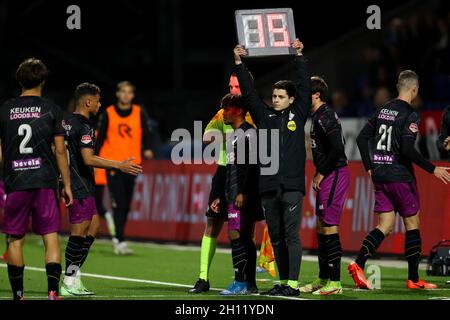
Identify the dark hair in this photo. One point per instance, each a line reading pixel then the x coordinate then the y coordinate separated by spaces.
pixel 318 85
pixel 31 73
pixel 406 79
pixel 234 74
pixel 287 85
pixel 234 100
pixel 86 89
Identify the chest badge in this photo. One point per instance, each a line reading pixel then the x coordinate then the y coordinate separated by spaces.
pixel 291 115
pixel 291 125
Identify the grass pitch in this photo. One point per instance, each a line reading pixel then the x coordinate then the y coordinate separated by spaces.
pixel 164 272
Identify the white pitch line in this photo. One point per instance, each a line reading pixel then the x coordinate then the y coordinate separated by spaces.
pixel 170 284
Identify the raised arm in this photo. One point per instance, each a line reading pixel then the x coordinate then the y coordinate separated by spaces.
pixel 255 105
pixel 302 101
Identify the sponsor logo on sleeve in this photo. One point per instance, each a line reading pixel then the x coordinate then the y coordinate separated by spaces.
pixel 413 127
pixel 86 139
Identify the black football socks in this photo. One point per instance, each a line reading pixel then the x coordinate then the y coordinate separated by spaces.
pixel 369 246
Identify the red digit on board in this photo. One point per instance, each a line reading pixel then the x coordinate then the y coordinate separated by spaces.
pixel 278 31
pixel 254 31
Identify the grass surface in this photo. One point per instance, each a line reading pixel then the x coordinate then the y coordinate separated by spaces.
pixel 165 273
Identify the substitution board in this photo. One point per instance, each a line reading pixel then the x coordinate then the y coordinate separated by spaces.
pixel 266 32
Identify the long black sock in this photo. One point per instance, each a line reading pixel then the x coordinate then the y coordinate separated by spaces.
pixel 240 259
pixel 250 271
pixel 15 275
pixel 53 276
pixel 369 246
pixel 334 253
pixel 413 249
pixel 322 255
pixel 88 241
pixel 74 255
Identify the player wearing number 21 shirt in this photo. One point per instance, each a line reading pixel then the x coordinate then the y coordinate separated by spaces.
pixel 386 144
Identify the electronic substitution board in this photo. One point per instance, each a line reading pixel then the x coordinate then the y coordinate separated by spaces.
pixel 266 32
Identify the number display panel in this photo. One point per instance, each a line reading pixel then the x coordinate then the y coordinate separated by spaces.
pixel 266 32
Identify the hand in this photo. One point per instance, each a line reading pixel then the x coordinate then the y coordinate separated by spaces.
pixel 148 154
pixel 369 172
pixel 447 144
pixel 317 180
pixel 441 173
pixel 127 166
pixel 298 45
pixel 239 51
pixel 67 196
pixel 215 205
pixel 240 200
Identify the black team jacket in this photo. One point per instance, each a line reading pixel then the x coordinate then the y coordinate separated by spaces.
pixel 291 125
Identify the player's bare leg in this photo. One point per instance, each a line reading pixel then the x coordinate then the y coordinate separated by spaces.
pixel 52 264
pixel 369 246
pixel 208 249
pixel 413 250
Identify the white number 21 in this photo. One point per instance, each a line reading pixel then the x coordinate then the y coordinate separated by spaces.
pixel 386 134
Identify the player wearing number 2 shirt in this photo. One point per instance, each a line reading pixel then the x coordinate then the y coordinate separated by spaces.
pixel 387 150
pixel 29 126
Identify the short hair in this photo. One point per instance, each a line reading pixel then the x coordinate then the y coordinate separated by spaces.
pixel 234 100
pixel 318 85
pixel 86 89
pixel 31 73
pixel 122 84
pixel 406 79
pixel 287 85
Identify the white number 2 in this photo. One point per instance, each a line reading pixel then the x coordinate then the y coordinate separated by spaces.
pixel 25 130
pixel 386 132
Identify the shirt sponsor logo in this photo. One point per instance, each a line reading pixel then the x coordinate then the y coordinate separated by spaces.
pixel 26 164
pixel 25 113
pixel 86 139
pixel 386 114
pixel 413 127
pixel 383 159
pixel 232 215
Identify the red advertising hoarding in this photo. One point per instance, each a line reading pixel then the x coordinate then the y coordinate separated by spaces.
pixel 170 200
